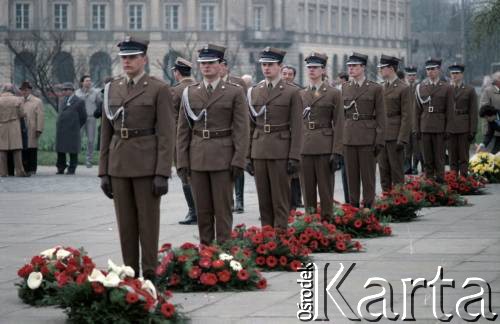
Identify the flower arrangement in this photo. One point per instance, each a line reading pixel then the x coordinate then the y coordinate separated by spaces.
pixel 486 165
pixel 116 296
pixel 50 270
pixel 401 204
pixel 436 194
pixel 321 236
pixel 272 249
pixel 359 223
pixel 465 185
pixel 206 268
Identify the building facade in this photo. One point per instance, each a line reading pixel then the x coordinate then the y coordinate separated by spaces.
pixel 92 28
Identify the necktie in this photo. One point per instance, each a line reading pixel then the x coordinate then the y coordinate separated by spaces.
pixel 210 89
pixel 130 85
pixel 313 89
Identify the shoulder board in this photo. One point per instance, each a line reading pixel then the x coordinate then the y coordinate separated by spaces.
pixel 194 84
pixel 119 78
pixel 233 83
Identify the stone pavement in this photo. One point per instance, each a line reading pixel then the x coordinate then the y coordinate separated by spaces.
pixel 46 210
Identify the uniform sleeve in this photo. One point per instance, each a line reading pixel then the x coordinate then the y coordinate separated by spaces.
pixel 473 111
pixel 251 129
pixel 296 126
pixel 338 120
pixel 417 111
pixel 106 135
pixel 241 126
pixel 183 140
pixel 165 132
pixel 40 117
pixel 379 116
pixel 405 129
pixel 450 107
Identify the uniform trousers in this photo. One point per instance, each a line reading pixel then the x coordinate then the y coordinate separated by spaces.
pixel 458 149
pixel 138 215
pixel 433 151
pixel 316 177
pixel 360 164
pixel 212 191
pixel 391 165
pixel 273 191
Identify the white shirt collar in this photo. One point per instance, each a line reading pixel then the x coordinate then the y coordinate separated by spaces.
pixel 274 82
pixel 214 83
pixel 317 85
pixel 136 78
pixel 360 81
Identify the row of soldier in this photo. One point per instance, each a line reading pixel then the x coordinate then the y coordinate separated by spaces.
pixel 273 130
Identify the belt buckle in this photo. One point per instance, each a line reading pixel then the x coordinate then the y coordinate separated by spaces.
pixel 355 116
pixel 431 109
pixel 124 133
pixel 267 128
pixel 311 125
pixel 206 134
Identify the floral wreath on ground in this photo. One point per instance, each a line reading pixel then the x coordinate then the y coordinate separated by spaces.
pixel 486 165
pixel 436 194
pixel 472 184
pixel 359 223
pixel 401 204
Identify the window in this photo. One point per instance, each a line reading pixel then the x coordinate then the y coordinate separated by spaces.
pixel 334 21
pixel 258 17
pixel 99 16
pixel 172 17
pixel 311 19
pixel 135 16
pixel 61 16
pixel 22 16
pixel 355 22
pixel 323 20
pixel 208 17
pixel 345 21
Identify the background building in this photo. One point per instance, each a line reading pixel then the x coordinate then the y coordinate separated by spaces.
pixel 89 31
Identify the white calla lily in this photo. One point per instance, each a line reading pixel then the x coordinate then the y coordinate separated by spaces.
pixel 235 265
pixel 225 257
pixel 114 268
pixel 96 276
pixel 112 280
pixel 62 253
pixel 128 272
pixel 35 280
pixel 149 287
pixel 48 253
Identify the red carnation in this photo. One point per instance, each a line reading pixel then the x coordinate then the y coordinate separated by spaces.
pixel 387 230
pixel 404 200
pixel 37 261
pixel 195 272
pixel 168 310
pixel 182 258
pixel 217 264
pixel 260 260
pixel 44 270
pixel 235 249
pixel 358 223
pixel 308 219
pixel 262 283
pixel 290 231
pixel 81 279
pixel 295 265
pixel 271 261
pixel 261 249
pixel 340 245
pixel 357 245
pixel 208 279
pixel 272 245
pixel 175 279
pixel 243 275
pixel 432 198
pixel 166 247
pixel 187 246
pixel 62 279
pixel 205 263
pixel 25 271
pixel 283 261
pixel 257 239
pixel 206 253
pixel 60 266
pixel 224 276
pixel 131 298
pixel 314 245
pixel 98 288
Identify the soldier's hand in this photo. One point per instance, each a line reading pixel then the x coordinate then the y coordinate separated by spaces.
pixel 292 166
pixel 400 146
pixel 106 186
pixel 236 172
pixel 184 174
pixel 418 135
pixel 378 149
pixel 249 168
pixel 160 185
pixel 335 162
pixel 471 137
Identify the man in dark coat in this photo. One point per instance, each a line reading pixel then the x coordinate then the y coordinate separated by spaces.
pixel 71 117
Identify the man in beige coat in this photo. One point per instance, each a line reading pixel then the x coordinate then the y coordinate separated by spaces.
pixel 398 124
pixel 11 112
pixel 33 107
pixel 137 147
pixel 322 137
pixel 276 141
pixel 212 143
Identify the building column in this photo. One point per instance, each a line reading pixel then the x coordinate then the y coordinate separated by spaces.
pixel 119 15
pixel 155 11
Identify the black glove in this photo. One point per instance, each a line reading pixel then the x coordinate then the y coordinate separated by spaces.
pixel 399 147
pixel 335 162
pixel 106 186
pixel 292 166
pixel 184 174
pixel 160 185
pixel 249 168
pixel 418 135
pixel 471 137
pixel 446 135
pixel 378 149
pixel 236 172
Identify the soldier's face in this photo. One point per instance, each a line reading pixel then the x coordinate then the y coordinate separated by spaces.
pixel 433 73
pixel 385 72
pixel 456 77
pixel 223 70
pixel 210 69
pixel 315 72
pixel 355 70
pixel 133 64
pixel 288 75
pixel 411 78
pixel 271 70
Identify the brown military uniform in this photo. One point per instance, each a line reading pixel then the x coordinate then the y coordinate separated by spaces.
pixel 363 129
pixel 413 151
pixel 210 148
pixel 431 117
pixel 462 126
pixel 234 79
pixel 397 131
pixel 276 138
pixel 11 112
pixel 132 153
pixel 177 98
pixel 322 136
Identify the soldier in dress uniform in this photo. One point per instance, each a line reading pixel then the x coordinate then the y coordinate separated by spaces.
pixel 413 152
pixel 322 136
pixel 239 182
pixel 398 123
pixel 137 147
pixel 462 120
pixel 276 143
pixel 433 107
pixel 363 134
pixel 182 74
pixel 212 144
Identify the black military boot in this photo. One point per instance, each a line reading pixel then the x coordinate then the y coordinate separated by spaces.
pixel 191 218
pixel 239 185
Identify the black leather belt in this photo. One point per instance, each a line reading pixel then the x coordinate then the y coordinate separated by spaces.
pixel 126 133
pixel 356 116
pixel 273 128
pixel 394 114
pixel 433 110
pixel 207 134
pixel 315 125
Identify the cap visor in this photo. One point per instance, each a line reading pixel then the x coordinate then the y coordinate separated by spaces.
pixel 355 63
pixel 382 65
pixel 268 60
pixel 314 64
pixel 131 52
pixel 207 59
pixel 432 66
pixel 411 73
